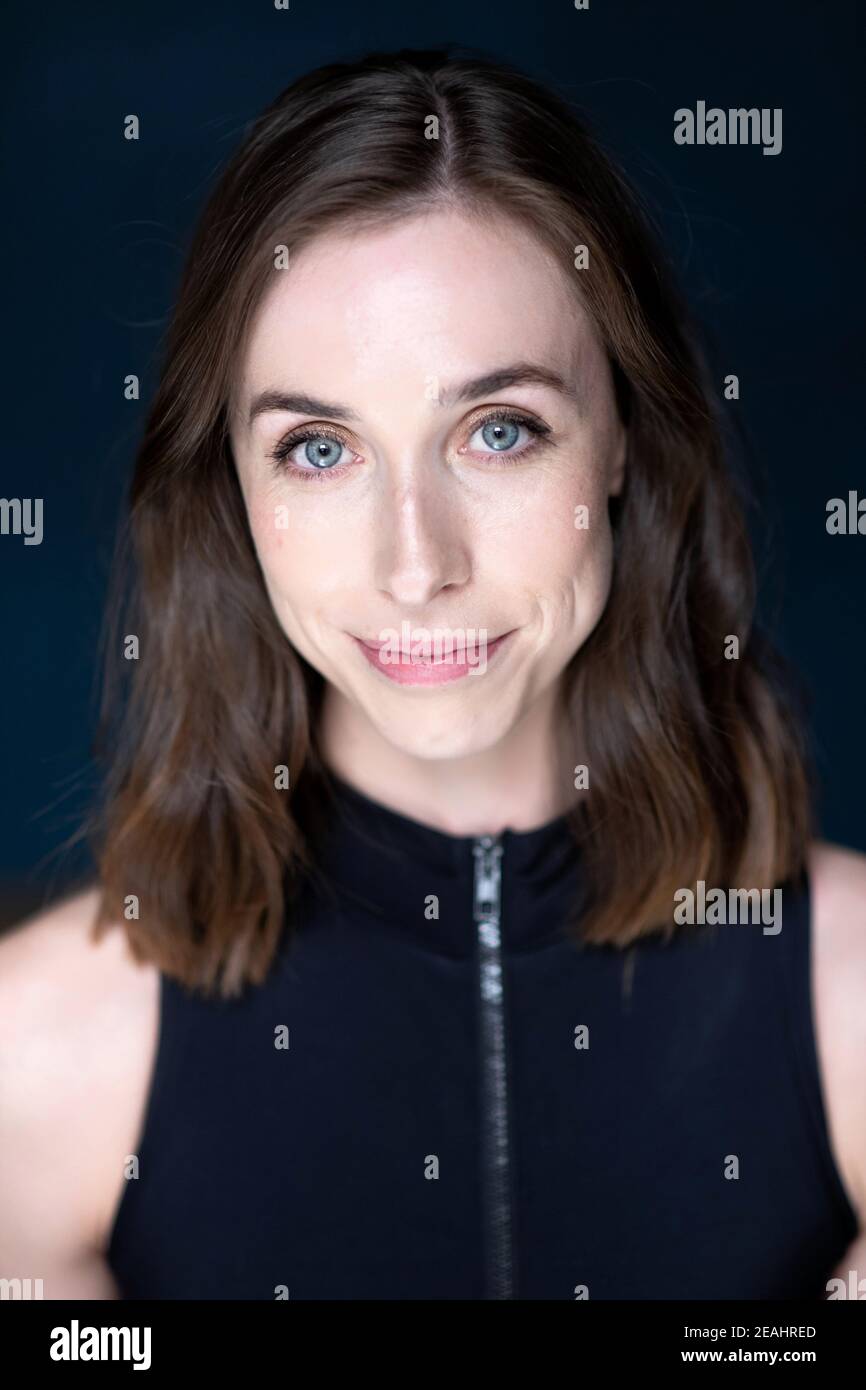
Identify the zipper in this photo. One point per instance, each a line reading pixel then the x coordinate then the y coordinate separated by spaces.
pixel 487 850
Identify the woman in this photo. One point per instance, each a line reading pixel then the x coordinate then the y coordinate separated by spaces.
pixel 430 955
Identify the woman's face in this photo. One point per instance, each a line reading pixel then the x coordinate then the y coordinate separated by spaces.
pixel 398 499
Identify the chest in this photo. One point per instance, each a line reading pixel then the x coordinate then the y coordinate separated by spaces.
pixel 382 1122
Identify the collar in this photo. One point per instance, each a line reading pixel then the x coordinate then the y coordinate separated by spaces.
pixel 404 875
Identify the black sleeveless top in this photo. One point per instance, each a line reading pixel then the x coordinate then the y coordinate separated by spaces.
pixel 438 1094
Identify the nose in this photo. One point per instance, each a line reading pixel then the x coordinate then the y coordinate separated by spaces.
pixel 421 547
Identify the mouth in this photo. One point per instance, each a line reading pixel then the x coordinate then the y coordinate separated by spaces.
pixel 428 665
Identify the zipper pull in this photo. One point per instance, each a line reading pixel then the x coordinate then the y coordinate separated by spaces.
pixel 487 850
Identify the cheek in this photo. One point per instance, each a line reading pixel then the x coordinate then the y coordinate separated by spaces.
pixel 275 540
pixel 560 543
pixel 297 556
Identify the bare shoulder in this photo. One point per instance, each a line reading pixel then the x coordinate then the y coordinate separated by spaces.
pixel 78 1029
pixel 838 884
pixel 67 1002
pixel 36 954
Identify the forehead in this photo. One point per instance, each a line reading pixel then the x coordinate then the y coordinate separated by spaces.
pixel 438 292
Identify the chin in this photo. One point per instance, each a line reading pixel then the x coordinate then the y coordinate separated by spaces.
pixel 434 739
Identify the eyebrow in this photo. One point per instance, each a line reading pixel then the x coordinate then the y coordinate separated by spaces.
pixel 518 374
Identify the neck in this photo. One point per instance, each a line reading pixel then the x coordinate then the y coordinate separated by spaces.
pixel 520 783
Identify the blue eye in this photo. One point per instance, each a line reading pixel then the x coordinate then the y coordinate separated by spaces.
pixel 500 432
pixel 322 451
pixel 323 448
pixel 503 435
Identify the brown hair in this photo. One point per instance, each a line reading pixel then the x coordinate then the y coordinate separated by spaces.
pixel 697 769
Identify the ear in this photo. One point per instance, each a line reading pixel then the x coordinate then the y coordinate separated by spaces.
pixel 617 469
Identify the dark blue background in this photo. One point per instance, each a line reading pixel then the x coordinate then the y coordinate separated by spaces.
pixel 770 250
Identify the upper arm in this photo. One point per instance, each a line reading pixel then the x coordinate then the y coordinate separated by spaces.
pixel 74 1020
pixel 838 879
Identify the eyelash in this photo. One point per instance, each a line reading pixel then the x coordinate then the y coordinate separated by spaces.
pixel 280 454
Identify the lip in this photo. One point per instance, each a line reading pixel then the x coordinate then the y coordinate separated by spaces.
pixel 420 673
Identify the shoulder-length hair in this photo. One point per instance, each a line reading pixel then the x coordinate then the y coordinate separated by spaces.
pixel 698 771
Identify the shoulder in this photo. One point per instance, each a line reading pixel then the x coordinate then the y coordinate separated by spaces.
pixel 36 952
pixel 78 1026
pixel 838 911
pixel 839 876
pixel 58 983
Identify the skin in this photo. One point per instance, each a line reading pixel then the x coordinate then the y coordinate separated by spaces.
pixel 428 524
pixel 423 527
